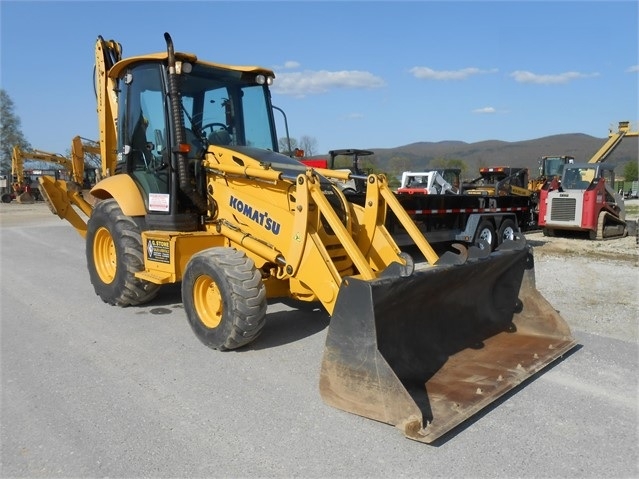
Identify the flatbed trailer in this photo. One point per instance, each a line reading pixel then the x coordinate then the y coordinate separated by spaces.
pixel 489 211
pixel 463 218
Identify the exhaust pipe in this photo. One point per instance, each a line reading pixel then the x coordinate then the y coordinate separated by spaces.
pixel 175 102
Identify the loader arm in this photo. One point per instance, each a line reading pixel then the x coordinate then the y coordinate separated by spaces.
pixel 379 197
pixel 307 260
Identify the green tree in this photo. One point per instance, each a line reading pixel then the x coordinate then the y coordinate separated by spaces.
pixel 366 163
pixel 10 132
pixel 450 163
pixel 631 171
pixel 398 164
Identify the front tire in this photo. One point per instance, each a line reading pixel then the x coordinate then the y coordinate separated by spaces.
pixel 224 298
pixel 114 255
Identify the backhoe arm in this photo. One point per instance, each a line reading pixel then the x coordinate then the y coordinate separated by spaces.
pixel 107 54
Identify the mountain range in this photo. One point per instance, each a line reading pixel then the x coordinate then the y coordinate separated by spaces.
pixel 502 153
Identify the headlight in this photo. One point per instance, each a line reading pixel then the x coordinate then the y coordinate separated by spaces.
pixel 183 67
pixel 262 79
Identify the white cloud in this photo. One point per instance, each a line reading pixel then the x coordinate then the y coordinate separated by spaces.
pixel 486 109
pixel 523 76
pixel 425 73
pixel 288 65
pixel 315 82
pixel 633 69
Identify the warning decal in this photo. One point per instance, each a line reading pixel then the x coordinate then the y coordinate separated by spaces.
pixel 158 202
pixel 158 251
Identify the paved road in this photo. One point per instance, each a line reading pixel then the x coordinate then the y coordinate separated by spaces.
pixel 90 390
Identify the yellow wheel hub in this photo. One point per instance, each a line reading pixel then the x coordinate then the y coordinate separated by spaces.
pixel 104 256
pixel 207 300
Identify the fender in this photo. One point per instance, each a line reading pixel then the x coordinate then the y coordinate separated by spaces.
pixel 123 189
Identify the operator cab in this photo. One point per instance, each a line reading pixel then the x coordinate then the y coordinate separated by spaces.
pixel 219 105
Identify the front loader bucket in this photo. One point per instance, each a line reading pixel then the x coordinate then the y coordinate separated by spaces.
pixel 427 351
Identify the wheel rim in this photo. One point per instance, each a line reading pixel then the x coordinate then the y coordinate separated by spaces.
pixel 487 236
pixel 509 234
pixel 207 300
pixel 104 256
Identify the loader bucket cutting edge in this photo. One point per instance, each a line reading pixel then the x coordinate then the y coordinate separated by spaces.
pixel 426 352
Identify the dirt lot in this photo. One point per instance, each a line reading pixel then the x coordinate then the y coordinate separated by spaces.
pixel 593 284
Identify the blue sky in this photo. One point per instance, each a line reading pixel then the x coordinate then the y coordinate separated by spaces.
pixel 361 74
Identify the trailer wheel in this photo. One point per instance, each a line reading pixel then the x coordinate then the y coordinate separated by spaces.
pixel 507 231
pixel 114 255
pixel 224 298
pixel 485 232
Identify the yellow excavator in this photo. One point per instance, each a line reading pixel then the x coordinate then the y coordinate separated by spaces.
pixel 195 192
pixel 73 167
pixel 624 130
pixel 21 184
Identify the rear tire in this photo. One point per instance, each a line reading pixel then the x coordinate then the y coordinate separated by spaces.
pixel 114 255
pixel 224 298
pixel 507 231
pixel 486 232
pixel 6 198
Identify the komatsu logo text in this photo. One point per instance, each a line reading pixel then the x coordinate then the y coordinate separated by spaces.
pixel 261 218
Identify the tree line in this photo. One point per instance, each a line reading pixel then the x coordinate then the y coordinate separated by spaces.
pixel 10 132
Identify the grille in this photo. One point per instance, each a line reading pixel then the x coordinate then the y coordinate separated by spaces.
pixel 563 209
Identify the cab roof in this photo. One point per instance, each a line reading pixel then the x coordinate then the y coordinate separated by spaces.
pixel 117 69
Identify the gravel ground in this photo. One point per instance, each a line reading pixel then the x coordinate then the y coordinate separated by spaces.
pixel 94 391
pixel 593 284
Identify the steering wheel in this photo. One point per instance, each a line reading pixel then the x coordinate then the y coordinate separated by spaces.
pixel 211 125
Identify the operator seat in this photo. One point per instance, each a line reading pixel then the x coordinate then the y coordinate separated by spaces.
pixel 141 156
pixel 220 137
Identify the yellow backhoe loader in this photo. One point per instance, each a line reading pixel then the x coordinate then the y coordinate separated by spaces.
pixel 194 191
